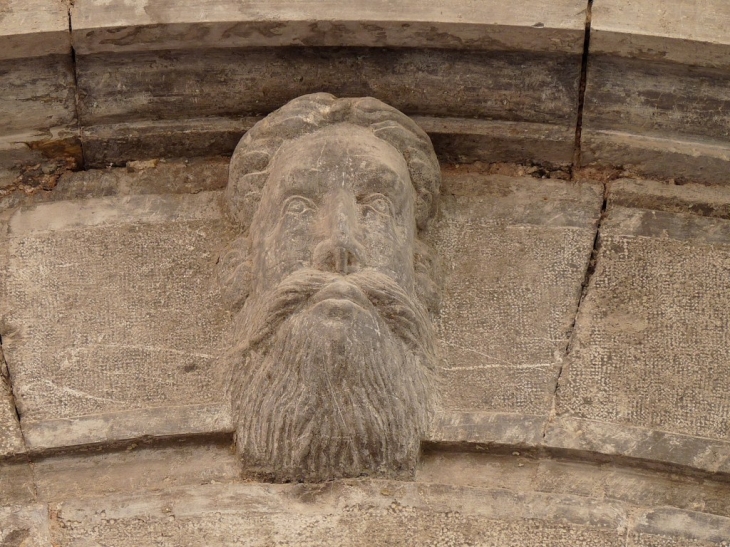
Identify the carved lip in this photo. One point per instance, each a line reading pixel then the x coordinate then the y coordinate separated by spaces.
pixel 342 291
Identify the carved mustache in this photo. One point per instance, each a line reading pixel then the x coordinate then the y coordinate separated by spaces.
pixel 405 317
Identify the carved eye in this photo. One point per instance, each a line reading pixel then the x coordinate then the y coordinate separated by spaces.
pixel 297 205
pixel 378 203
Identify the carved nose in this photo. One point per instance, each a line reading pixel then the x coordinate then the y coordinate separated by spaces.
pixel 340 252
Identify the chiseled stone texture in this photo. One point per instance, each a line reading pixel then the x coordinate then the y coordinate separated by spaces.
pixel 651 342
pixel 11 441
pixel 24 526
pixel 132 25
pixel 33 28
pixel 514 253
pixel 657 90
pixel 500 85
pixel 110 309
pixel 351 514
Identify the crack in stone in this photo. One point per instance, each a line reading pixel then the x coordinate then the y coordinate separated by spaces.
pixel 582 87
pixel 74 69
pixel 590 270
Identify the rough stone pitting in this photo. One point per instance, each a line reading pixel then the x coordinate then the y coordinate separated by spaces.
pixel 333 351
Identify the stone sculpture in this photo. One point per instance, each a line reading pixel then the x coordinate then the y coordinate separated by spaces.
pixel 333 360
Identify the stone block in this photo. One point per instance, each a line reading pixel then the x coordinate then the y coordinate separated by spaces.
pixel 681 31
pixel 25 526
pixel 647 369
pixel 36 94
pixel 11 440
pixel 344 514
pixel 16 483
pixel 500 85
pixel 209 72
pixel 141 25
pixel 33 28
pixel 707 201
pixel 137 468
pixel 514 253
pixel 666 527
pixel 656 95
pixel 111 318
pixel 37 88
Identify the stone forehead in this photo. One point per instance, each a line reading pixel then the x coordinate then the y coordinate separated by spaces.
pixel 338 144
pixel 251 162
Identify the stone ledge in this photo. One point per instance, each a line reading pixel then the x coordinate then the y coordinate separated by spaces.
pixel 488 428
pixel 648 445
pixel 143 25
pixel 707 201
pixel 162 422
pixel 679 31
pixel 666 157
pixel 33 28
pixel 458 140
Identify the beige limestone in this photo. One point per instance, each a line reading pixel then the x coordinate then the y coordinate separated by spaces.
pixel 11 440
pixel 34 28
pixel 135 468
pixel 656 94
pixel 92 356
pixel 702 200
pixel 36 94
pixel 682 31
pixel 351 513
pixel 646 373
pixel 24 525
pixel 122 25
pixel 17 484
pixel 514 254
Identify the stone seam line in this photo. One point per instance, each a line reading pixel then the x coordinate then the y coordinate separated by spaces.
pixel 582 87
pixel 590 270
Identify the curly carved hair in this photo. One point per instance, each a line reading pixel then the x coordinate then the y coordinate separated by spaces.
pixel 251 161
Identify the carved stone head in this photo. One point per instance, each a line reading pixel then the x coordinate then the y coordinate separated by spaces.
pixel 332 363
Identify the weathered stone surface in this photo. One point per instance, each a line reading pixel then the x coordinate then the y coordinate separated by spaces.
pixel 707 201
pixel 157 176
pixel 24 526
pixel 514 252
pixel 455 140
pixel 332 351
pixel 668 157
pixel 116 144
pixel 467 141
pixel 499 85
pixel 110 313
pixel 656 96
pixel 121 25
pixel 17 486
pixel 358 513
pixel 669 527
pixel 657 99
pixel 136 469
pixel 485 428
pixel 33 28
pixel 36 94
pixel 517 471
pixel 681 31
pixel 647 372
pixel 11 440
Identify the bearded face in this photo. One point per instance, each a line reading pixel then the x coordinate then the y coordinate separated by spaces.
pixel 334 381
pixel 332 367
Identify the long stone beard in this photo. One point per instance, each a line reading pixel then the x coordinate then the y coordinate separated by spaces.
pixel 320 395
